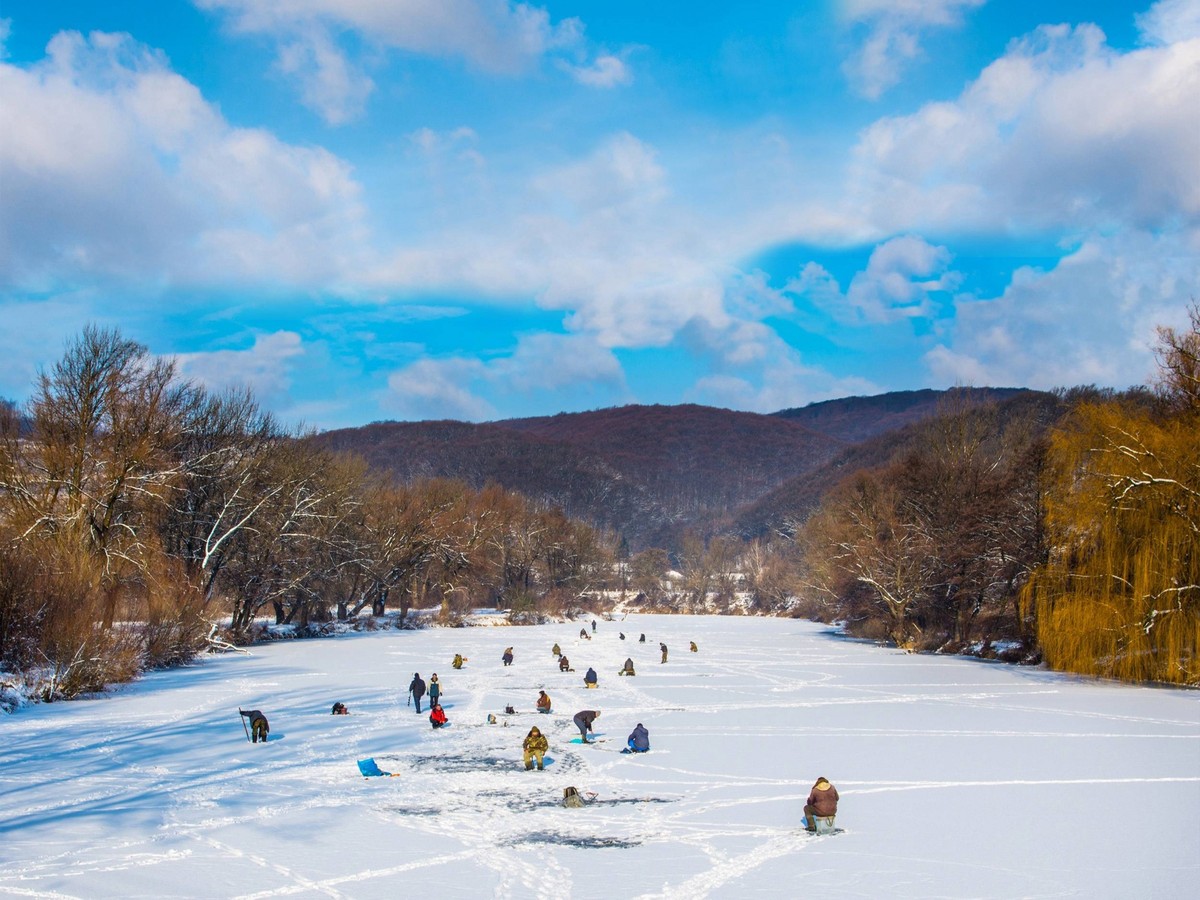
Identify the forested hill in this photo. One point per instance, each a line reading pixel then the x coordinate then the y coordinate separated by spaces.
pixel 647 472
pixel 855 419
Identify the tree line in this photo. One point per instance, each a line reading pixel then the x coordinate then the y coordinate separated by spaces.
pixel 1070 534
pixel 144 519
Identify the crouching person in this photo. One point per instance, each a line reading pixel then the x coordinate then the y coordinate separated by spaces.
pixel 258 725
pixel 639 739
pixel 437 716
pixel 535 748
pixel 543 702
pixel 821 808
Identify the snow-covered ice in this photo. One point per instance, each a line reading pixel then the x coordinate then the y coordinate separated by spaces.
pixel 958 778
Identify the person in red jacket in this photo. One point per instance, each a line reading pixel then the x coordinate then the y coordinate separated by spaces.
pixel 822 803
pixel 437 716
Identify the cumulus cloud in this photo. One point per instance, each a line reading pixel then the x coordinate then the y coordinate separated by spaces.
pixel 890 33
pixel 1090 319
pixel 116 167
pixel 900 277
pixel 265 367
pixel 1170 21
pixel 1060 132
pixel 541 364
pixel 495 36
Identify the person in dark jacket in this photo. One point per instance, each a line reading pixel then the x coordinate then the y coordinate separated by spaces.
pixel 583 721
pixel 543 702
pixel 593 625
pixel 822 803
pixel 258 725
pixel 417 689
pixel 590 679
pixel 435 690
pixel 437 716
pixel 564 664
pixel 628 669
pixel 339 709
pixel 642 639
pixel 583 633
pixel 639 739
pixel 663 648
pixel 508 656
pixel 621 635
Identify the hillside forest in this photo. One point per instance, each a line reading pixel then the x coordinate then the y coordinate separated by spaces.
pixel 145 519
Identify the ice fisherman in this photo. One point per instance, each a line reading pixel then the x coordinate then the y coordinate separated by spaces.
pixel 507 656
pixel 258 725
pixel 628 670
pixel 590 679
pixel 535 747
pixel 564 664
pixel 543 702
pixel 621 635
pixel 583 721
pixel 339 709
pixel 435 690
pixel 458 661
pixel 556 650
pixel 417 689
pixel 639 739
pixel 642 639
pixel 583 635
pixel 437 716
pixel 593 626
pixel 822 804
pixel 694 648
pixel 663 648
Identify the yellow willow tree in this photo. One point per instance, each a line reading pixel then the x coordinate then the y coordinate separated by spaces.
pixel 1120 595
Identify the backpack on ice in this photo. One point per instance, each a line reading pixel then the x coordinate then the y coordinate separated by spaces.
pixel 572 799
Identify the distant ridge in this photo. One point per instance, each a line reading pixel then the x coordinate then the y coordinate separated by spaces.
pixel 650 473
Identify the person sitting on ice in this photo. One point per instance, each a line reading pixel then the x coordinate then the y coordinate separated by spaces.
pixel 564 664
pixel 628 670
pixel 437 716
pixel 543 702
pixel 590 679
pixel 583 721
pixel 258 725
pixel 821 807
pixel 695 649
pixel 339 709
pixel 621 635
pixel 508 656
pixel 556 650
pixel 639 739
pixel 583 633
pixel 535 747
pixel 642 639
pixel 458 661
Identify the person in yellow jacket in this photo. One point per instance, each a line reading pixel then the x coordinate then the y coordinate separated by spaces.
pixel 535 747
pixel 543 702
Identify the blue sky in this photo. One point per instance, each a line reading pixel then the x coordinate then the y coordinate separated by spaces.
pixel 478 209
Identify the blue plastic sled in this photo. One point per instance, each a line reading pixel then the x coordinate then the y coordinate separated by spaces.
pixel 370 769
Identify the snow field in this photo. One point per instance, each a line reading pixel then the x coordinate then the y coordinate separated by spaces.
pixel 958 778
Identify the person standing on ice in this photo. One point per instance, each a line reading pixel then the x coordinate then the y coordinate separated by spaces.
pixel 593 626
pixel 435 690
pixel 663 648
pixel 417 690
pixel 639 739
pixel 508 656
pixel 258 725
pixel 583 721
pixel 590 678
pixel 535 747
pixel 822 804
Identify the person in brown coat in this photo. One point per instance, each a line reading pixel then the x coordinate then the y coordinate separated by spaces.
pixel 535 747
pixel 822 803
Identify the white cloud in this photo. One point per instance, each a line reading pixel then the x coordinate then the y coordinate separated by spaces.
pixel 900 276
pixel 541 364
pixel 265 367
pixel 1170 21
pixel 1060 132
pixel 115 166
pixel 891 37
pixel 1090 319
pixel 495 36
